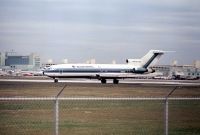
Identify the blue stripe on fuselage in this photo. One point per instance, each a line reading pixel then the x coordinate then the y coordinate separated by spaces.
pixel 88 70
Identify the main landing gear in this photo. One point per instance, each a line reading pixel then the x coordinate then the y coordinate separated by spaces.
pixel 55 80
pixel 103 81
pixel 115 81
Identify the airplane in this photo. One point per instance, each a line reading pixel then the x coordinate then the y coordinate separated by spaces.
pixel 103 72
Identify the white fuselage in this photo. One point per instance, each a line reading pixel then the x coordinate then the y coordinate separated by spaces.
pixel 90 70
pixel 105 71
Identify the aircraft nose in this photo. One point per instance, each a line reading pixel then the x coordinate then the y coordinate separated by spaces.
pixel 43 71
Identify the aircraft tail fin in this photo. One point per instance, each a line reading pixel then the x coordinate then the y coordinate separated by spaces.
pixel 151 58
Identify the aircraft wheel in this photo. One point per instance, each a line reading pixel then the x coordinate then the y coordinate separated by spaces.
pixel 55 80
pixel 115 81
pixel 103 81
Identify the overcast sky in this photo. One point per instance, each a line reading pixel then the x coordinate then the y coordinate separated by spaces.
pixel 102 29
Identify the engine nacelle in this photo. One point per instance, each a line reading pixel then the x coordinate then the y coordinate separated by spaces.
pixel 143 70
pixel 139 70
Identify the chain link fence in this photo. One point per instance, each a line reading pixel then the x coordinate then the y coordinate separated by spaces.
pixel 102 116
pixel 22 117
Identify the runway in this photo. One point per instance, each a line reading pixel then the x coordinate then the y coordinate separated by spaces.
pixel 127 81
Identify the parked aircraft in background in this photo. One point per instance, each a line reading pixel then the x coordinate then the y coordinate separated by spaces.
pixel 105 71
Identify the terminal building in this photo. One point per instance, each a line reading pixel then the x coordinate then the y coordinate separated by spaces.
pixel 12 60
pixel 175 71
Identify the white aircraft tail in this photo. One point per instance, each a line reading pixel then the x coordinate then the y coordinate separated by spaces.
pixel 151 58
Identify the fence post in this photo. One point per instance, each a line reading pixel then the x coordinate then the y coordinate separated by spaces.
pixel 166 111
pixel 56 118
pixel 57 111
pixel 166 116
